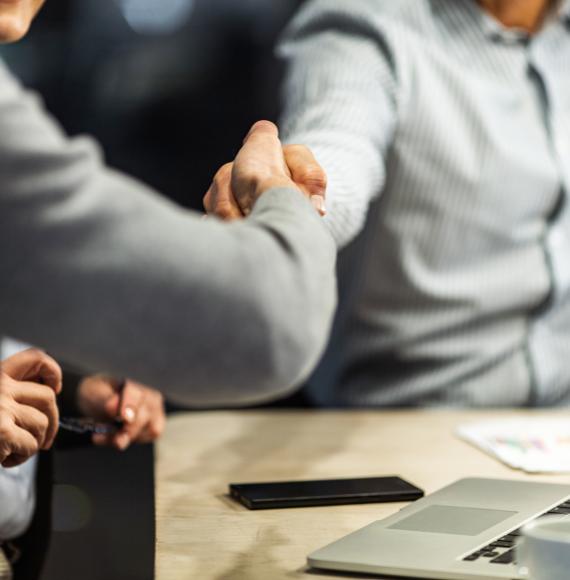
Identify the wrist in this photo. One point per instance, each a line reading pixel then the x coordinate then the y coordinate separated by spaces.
pixel 272 183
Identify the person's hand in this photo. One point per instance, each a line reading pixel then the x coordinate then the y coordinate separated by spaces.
pixel 262 164
pixel 29 419
pixel 142 410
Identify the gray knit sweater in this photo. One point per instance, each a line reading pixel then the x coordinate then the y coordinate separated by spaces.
pixel 102 271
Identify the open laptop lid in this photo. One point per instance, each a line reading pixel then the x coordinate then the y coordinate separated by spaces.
pixel 432 535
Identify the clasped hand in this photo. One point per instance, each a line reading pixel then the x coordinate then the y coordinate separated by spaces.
pixel 263 164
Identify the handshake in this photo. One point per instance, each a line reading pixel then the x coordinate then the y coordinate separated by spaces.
pixel 263 164
pixel 31 380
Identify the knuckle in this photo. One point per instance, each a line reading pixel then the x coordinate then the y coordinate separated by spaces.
pixel 5 428
pixel 51 398
pixel 157 428
pixel 223 173
pixel 154 431
pixel 314 175
pixel 223 209
pixel 43 423
pixel 40 358
pixel 47 402
pixel 295 148
pixel 38 354
pixel 5 385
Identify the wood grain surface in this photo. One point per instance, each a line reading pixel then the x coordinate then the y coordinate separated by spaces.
pixel 203 534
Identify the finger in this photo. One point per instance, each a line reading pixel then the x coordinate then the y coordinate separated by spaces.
pixel 41 398
pixel 226 208
pixel 23 445
pixel 157 422
pixel 262 128
pixel 307 174
pixel 34 365
pixel 103 439
pixel 14 460
pixel 111 408
pixel 219 199
pixel 126 413
pixel 34 422
pixel 130 402
pixel 207 201
pixel 221 179
pixel 305 169
pixel 132 432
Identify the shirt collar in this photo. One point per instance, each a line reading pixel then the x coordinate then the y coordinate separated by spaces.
pixel 494 30
pixel 565 11
pixel 460 14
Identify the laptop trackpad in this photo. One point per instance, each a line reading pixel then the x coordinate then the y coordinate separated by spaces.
pixel 443 519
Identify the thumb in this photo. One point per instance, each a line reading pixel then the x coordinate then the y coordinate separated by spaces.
pixel 112 406
pixel 127 412
pixel 262 128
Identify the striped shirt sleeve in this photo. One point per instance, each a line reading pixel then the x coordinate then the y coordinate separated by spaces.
pixel 340 100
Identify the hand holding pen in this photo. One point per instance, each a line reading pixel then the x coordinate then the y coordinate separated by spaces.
pixel 119 412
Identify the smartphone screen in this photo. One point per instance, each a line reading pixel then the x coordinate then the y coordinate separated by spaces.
pixel 324 492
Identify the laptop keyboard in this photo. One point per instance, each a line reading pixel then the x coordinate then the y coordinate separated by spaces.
pixel 502 551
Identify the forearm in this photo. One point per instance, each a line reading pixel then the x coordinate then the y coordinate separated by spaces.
pixel 104 273
pixel 340 100
pixel 210 313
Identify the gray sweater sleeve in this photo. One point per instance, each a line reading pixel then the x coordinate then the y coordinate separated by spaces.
pixel 103 272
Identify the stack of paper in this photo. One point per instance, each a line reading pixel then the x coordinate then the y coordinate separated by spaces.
pixel 533 445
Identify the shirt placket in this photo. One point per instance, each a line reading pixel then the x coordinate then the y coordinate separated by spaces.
pixel 545 351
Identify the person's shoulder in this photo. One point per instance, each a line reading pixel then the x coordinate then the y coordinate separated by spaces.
pixel 10 86
pixel 4 70
pixel 402 14
pixel 404 10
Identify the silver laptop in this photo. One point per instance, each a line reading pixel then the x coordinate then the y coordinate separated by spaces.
pixel 466 531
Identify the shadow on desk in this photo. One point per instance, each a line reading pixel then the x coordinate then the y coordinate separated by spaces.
pixel 103 515
pixel 348 576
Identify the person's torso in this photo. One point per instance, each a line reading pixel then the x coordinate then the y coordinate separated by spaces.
pixel 464 291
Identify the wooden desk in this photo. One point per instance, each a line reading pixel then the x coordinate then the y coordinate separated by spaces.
pixel 5 572
pixel 202 534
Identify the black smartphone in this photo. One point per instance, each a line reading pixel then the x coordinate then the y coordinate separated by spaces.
pixel 284 494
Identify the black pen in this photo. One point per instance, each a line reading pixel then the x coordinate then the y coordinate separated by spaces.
pixel 119 421
pixel 82 425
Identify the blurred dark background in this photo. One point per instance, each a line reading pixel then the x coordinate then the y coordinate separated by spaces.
pixel 169 88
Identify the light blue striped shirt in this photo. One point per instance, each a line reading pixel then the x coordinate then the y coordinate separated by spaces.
pixel 446 138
